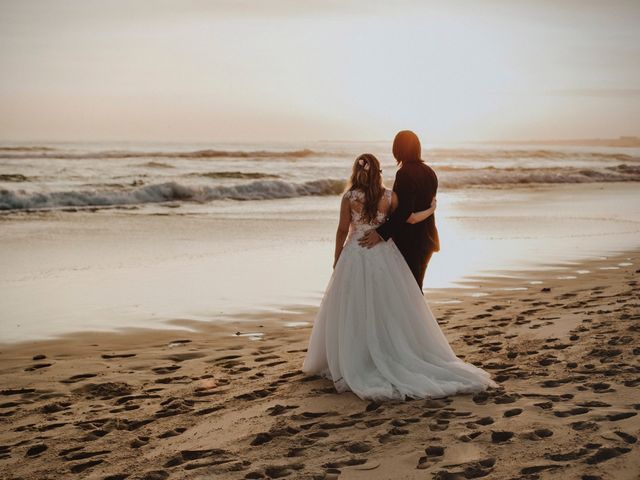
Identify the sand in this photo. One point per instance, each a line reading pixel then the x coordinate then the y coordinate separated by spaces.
pixel 207 403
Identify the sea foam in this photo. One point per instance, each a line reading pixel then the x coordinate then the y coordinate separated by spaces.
pixel 167 192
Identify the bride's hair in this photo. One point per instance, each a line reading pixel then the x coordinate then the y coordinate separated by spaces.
pixel 366 177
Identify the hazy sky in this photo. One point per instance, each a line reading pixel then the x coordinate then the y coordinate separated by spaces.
pixel 239 70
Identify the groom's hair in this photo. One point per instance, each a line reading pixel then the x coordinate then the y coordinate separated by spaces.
pixel 406 147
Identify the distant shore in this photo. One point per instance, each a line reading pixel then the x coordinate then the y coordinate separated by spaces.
pixel 624 141
pixel 228 399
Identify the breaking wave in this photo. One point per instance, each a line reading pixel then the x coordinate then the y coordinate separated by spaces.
pixel 490 176
pixel 13 177
pixel 517 154
pixel 262 186
pixel 27 149
pixel 234 175
pixel 167 192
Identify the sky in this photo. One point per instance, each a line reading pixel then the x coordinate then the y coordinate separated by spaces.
pixel 293 70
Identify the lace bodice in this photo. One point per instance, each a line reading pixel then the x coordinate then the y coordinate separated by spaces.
pixel 358 225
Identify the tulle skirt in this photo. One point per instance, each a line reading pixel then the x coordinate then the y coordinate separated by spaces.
pixel 375 335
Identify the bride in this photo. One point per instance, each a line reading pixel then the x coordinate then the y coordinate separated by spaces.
pixel 374 334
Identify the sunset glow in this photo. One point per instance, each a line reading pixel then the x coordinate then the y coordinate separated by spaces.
pixel 225 71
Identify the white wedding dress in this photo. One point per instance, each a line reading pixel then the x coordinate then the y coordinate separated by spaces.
pixel 374 333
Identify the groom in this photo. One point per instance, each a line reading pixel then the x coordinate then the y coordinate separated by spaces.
pixel 415 185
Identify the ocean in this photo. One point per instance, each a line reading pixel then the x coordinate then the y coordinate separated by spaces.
pixel 74 176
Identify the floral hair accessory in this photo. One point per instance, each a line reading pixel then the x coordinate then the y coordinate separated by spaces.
pixel 364 164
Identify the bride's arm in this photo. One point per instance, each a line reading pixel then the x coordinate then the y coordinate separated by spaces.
pixel 343 228
pixel 394 203
pixel 417 217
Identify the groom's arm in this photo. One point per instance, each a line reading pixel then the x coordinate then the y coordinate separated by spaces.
pixel 406 191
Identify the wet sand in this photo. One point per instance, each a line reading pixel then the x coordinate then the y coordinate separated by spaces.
pixel 228 401
pixel 63 272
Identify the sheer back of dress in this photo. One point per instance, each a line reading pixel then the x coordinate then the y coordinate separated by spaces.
pixel 356 200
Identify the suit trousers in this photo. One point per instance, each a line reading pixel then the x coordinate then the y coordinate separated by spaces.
pixel 418 264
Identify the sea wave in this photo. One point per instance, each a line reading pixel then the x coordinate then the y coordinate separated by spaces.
pixel 135 193
pixel 491 176
pixel 13 177
pixel 17 153
pixel 167 192
pixel 153 164
pixel 234 175
pixel 21 148
pixel 516 154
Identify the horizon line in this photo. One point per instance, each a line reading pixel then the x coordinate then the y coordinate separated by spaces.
pixel 621 138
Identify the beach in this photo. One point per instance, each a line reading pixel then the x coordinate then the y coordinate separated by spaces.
pixel 173 178
pixel 156 304
pixel 228 400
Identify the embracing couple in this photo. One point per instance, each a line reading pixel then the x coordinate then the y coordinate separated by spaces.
pixel 374 334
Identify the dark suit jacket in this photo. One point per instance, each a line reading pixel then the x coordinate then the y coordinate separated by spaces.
pixel 416 184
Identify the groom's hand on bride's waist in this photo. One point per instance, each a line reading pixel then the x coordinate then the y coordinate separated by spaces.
pixel 370 239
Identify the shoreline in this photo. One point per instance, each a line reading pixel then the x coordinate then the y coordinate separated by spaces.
pixel 237 406
pixel 468 287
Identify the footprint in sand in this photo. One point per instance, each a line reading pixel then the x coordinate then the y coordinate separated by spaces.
pixel 173 433
pixel 36 450
pixel 265 392
pixel 564 457
pixel 512 412
pixel 501 436
pixel 614 417
pixel 468 437
pixel 165 370
pixel 174 406
pixel 79 377
pixel 295 452
pixel 104 391
pixel 572 412
pixel 606 453
pixel 279 471
pixel 627 437
pixel 183 379
pixel 462 471
pixel 358 447
pixel 54 407
pixel 481 421
pixel 37 366
pixel 211 456
pixel 117 355
pixel 535 469
pixel 581 426
pixel 181 357
pixel 81 467
pixel 280 409
pixel 154 475
pixel 139 442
